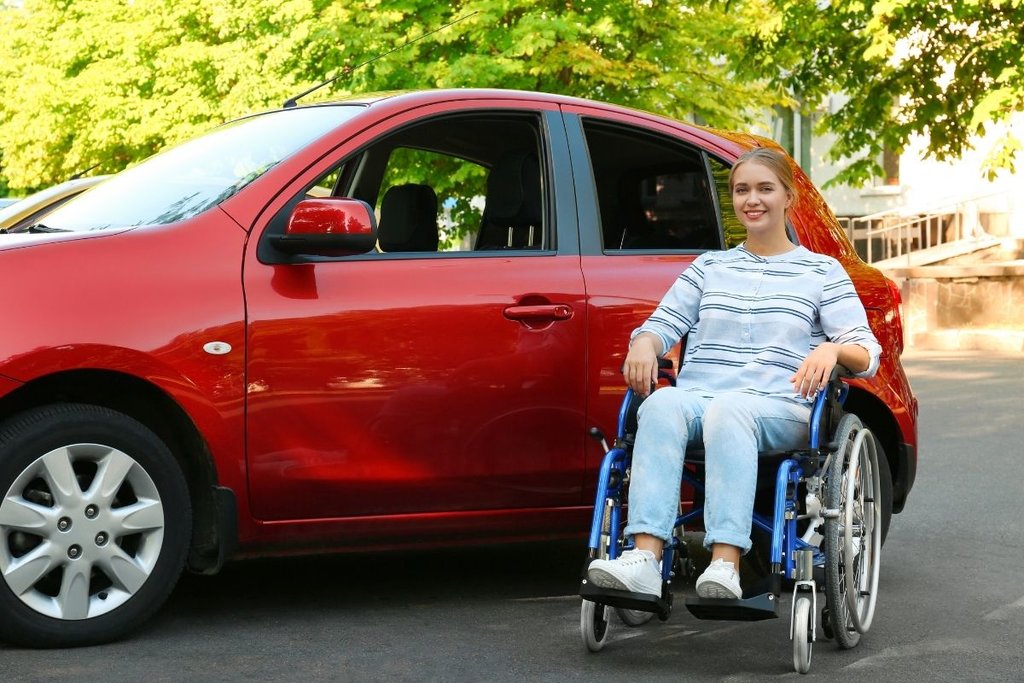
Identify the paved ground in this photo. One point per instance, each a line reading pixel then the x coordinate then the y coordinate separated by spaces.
pixel 952 606
pixel 1004 341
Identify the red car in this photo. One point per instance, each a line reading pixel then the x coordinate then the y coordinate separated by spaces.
pixel 378 323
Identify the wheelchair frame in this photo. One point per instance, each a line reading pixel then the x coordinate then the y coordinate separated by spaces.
pixel 838 472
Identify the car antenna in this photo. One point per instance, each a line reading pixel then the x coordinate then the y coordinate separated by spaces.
pixel 347 70
pixel 82 173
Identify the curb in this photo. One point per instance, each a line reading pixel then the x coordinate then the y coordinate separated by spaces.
pixel 1011 341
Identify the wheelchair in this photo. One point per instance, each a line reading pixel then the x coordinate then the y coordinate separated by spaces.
pixel 824 525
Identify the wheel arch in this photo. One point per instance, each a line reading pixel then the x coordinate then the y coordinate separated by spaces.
pixel 879 419
pixel 212 538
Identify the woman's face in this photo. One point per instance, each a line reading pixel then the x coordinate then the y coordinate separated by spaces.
pixel 759 199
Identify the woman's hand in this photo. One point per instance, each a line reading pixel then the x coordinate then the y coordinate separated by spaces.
pixel 817 367
pixel 814 372
pixel 641 366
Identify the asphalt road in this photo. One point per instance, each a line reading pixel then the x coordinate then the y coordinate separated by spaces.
pixel 951 605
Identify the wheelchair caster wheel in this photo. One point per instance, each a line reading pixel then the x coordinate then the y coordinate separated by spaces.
pixel 826 624
pixel 633 617
pixel 803 635
pixel 684 569
pixel 593 625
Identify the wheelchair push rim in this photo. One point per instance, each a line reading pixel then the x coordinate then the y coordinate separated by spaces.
pixel 852 532
pixel 862 514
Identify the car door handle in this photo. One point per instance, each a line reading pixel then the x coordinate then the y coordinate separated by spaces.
pixel 539 312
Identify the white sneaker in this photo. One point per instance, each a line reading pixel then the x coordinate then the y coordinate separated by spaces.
pixel 720 581
pixel 636 571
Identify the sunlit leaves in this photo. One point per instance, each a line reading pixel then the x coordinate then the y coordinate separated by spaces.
pixel 944 69
pixel 101 84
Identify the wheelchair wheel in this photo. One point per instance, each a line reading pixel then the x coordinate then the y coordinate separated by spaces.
pixel 593 625
pixel 852 532
pixel 633 617
pixel 803 634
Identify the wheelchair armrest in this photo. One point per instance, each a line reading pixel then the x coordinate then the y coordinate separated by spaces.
pixel 667 370
pixel 838 372
pixel 827 407
pixel 631 402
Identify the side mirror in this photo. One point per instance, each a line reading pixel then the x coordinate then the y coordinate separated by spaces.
pixel 329 226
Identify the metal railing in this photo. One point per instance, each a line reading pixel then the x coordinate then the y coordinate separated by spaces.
pixel 900 232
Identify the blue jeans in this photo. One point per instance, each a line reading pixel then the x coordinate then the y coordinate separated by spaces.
pixel 733 427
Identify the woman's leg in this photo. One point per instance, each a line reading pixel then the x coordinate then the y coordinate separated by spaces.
pixel 668 420
pixel 736 427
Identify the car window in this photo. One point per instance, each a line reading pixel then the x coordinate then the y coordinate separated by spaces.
pixel 456 208
pixel 654 192
pixel 733 230
pixel 459 184
pixel 197 175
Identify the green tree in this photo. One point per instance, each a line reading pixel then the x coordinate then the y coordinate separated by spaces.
pixel 944 69
pixel 96 84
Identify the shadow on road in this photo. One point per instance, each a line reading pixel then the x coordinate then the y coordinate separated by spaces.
pixel 352 582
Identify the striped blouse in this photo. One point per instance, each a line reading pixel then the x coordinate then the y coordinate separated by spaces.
pixel 752 320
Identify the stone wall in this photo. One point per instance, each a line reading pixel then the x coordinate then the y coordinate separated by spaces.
pixel 983 297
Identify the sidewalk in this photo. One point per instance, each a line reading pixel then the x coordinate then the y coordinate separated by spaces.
pixel 1001 340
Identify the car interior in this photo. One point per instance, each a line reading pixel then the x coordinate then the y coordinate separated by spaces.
pixel 477 183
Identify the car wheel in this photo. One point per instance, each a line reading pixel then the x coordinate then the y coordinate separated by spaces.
pixel 95 525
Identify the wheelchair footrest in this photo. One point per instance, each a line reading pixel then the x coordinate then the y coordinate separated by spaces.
pixel 756 608
pixel 662 606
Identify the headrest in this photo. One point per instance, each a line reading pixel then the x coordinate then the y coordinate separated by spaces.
pixel 408 219
pixel 513 191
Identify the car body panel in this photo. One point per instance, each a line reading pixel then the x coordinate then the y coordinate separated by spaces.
pixel 107 309
pixel 351 412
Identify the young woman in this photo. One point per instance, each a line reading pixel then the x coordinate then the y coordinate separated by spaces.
pixel 767 321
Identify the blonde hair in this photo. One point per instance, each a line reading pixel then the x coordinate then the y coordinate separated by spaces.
pixel 775 161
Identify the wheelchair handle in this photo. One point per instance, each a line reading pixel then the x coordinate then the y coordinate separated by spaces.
pixel 598 436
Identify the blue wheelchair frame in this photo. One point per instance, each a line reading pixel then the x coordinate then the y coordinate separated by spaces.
pixel 795 467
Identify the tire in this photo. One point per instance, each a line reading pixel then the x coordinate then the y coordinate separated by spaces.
pixel 852 532
pixel 95 525
pixel 633 617
pixel 593 625
pixel 885 480
pixel 803 634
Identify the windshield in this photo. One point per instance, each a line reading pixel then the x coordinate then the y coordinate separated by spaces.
pixel 197 175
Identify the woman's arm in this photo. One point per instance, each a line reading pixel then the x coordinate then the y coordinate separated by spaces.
pixel 814 372
pixel 640 369
pixel 845 323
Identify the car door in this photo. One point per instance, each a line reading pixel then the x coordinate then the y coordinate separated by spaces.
pixel 649 200
pixel 443 372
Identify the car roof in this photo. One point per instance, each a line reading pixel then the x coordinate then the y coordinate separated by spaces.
pixel 403 99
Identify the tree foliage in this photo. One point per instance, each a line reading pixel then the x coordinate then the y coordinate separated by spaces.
pixel 99 84
pixel 96 84
pixel 944 69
